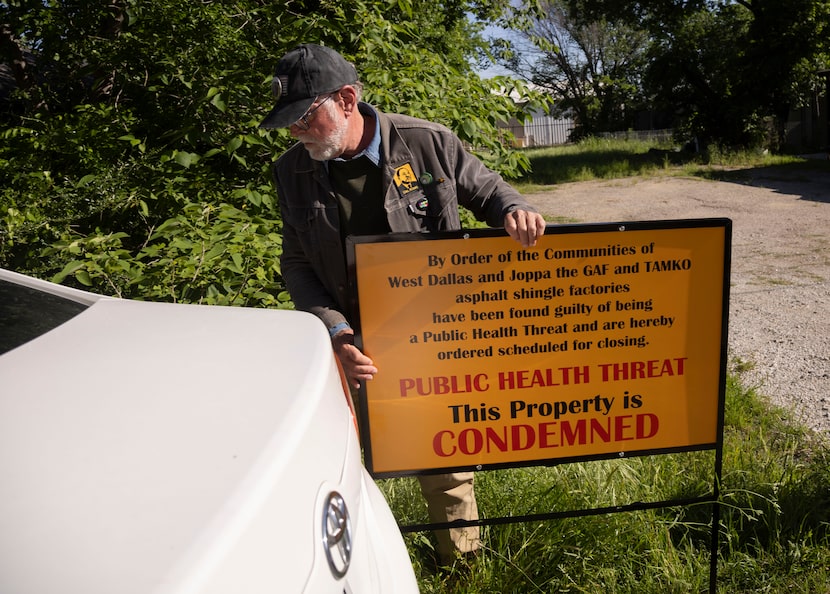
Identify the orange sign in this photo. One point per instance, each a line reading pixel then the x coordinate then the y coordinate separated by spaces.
pixel 602 340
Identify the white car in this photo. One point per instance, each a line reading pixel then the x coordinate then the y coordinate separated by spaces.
pixel 155 448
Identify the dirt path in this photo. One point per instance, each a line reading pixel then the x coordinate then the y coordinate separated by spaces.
pixel 780 290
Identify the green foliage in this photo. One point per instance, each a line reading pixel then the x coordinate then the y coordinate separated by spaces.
pixel 732 70
pixel 133 129
pixel 613 158
pixel 591 67
pixel 727 71
pixel 215 255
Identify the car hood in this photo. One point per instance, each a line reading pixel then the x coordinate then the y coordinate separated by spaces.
pixel 128 460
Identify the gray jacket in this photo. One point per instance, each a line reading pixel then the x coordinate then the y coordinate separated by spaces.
pixel 313 261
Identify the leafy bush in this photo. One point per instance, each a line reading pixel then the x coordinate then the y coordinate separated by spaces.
pixel 131 142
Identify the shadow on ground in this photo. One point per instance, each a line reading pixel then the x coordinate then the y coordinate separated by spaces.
pixel 809 180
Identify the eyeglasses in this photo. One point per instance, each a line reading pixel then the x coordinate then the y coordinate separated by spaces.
pixel 304 123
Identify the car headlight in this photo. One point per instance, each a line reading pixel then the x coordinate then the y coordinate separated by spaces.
pixel 337 534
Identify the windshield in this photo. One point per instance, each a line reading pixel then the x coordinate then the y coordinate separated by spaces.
pixel 27 313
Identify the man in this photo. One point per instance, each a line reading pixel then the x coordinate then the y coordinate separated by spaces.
pixel 358 171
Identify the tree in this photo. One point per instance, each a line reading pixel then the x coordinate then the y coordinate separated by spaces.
pixel 730 69
pixel 131 160
pixel 591 67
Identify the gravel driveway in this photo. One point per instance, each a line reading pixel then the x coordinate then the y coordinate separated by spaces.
pixel 779 314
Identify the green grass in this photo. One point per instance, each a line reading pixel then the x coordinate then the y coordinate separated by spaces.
pixel 775 491
pixel 775 519
pixel 603 159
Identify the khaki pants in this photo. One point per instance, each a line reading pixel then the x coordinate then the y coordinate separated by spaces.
pixel 451 497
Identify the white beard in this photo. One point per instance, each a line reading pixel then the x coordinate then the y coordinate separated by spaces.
pixel 332 146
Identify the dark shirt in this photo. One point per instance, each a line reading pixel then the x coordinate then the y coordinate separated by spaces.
pixel 357 183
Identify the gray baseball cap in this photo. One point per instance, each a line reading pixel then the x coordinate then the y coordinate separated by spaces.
pixel 302 75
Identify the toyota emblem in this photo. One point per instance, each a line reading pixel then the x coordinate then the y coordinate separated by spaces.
pixel 337 534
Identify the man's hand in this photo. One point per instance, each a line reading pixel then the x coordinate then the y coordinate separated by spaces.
pixel 524 226
pixel 357 366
